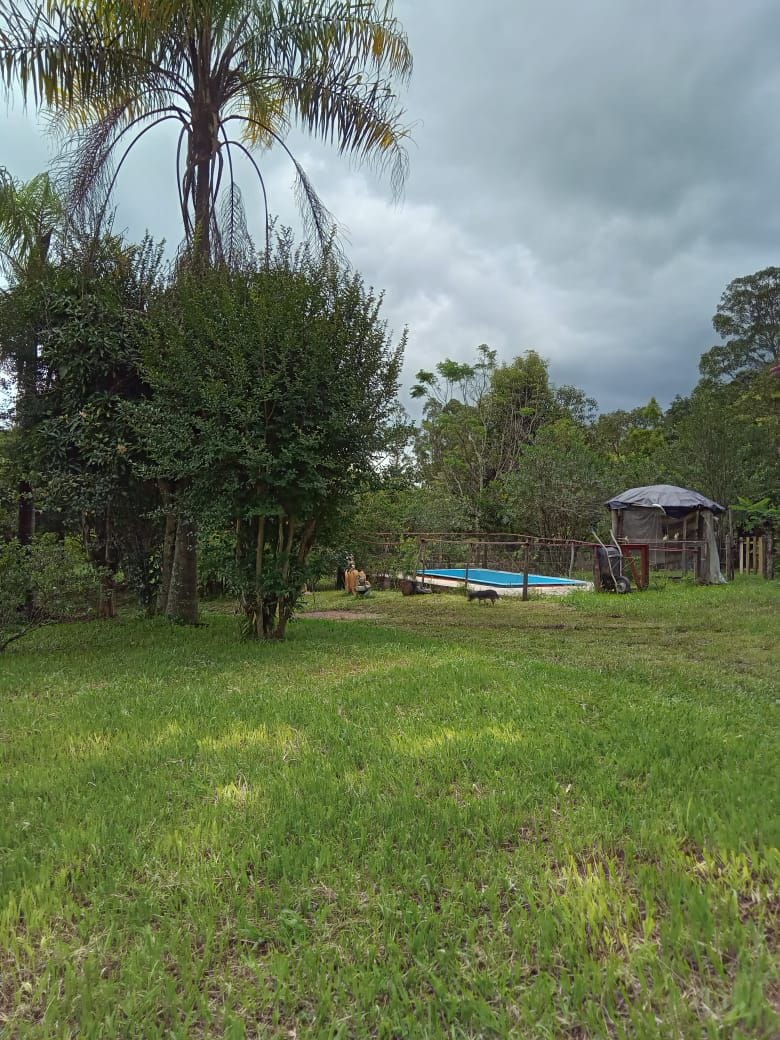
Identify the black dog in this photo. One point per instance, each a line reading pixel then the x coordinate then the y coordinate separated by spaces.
pixel 484 594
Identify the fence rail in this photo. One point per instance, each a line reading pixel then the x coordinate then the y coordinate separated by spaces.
pixel 385 553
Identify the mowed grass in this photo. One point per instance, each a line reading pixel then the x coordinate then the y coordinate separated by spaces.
pixel 551 819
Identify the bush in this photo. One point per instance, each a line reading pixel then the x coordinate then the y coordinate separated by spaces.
pixel 42 583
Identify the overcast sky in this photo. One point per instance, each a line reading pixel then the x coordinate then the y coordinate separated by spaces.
pixel 585 180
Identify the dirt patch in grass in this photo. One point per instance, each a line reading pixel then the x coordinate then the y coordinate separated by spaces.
pixel 340 615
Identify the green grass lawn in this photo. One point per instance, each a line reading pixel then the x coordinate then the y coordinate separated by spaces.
pixel 551 819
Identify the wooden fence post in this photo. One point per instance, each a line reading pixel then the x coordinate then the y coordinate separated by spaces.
pixel 770 555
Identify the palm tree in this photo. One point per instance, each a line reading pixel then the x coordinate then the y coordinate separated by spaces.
pixel 235 75
pixel 31 215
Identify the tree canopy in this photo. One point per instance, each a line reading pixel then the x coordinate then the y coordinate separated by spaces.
pixel 748 320
pixel 272 393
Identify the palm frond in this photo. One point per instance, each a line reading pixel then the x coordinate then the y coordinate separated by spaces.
pixel 59 57
pixel 232 231
pixel 359 119
pixel 82 57
pixel 88 165
pixel 228 144
pixel 330 64
pixel 266 109
pixel 284 31
pixel 318 221
pixel 31 215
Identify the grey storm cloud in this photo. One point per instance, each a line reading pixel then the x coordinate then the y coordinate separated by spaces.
pixel 585 179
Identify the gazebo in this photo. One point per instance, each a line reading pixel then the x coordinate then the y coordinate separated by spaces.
pixel 665 516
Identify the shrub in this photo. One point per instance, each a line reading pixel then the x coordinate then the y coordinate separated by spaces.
pixel 43 583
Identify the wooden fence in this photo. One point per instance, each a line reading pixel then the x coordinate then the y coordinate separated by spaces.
pixel 754 555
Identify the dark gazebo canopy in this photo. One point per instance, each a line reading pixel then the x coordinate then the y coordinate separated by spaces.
pixel 675 501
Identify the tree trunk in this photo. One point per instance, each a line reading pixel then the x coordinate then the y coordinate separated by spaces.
pixel 259 558
pixel 182 599
pixel 285 612
pixel 25 384
pixel 107 605
pixel 183 592
pixel 273 604
pixel 26 523
pixel 169 543
pixel 107 601
pixel 284 607
pixel 287 602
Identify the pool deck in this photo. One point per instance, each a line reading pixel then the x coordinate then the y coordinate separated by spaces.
pixel 440 582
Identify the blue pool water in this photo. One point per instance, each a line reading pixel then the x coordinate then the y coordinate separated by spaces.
pixel 499 579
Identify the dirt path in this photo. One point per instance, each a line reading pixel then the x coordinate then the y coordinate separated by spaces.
pixel 339 615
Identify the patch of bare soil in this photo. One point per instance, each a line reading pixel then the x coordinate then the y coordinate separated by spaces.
pixel 339 615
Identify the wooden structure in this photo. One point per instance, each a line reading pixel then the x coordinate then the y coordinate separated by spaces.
pixel 754 555
pixel 677 524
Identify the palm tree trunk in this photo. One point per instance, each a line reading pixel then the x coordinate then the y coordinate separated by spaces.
pixel 182 603
pixel 203 204
pixel 181 597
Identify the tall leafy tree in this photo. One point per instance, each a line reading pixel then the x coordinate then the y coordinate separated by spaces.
pixel 285 409
pixel 723 438
pixel 522 402
pixel 559 486
pixel 478 419
pixel 92 310
pixel 722 441
pixel 454 445
pixel 748 322
pixel 234 75
pixel 8 498
pixel 634 442
pixel 31 217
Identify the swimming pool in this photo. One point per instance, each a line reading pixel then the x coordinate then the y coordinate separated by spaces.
pixel 496 579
